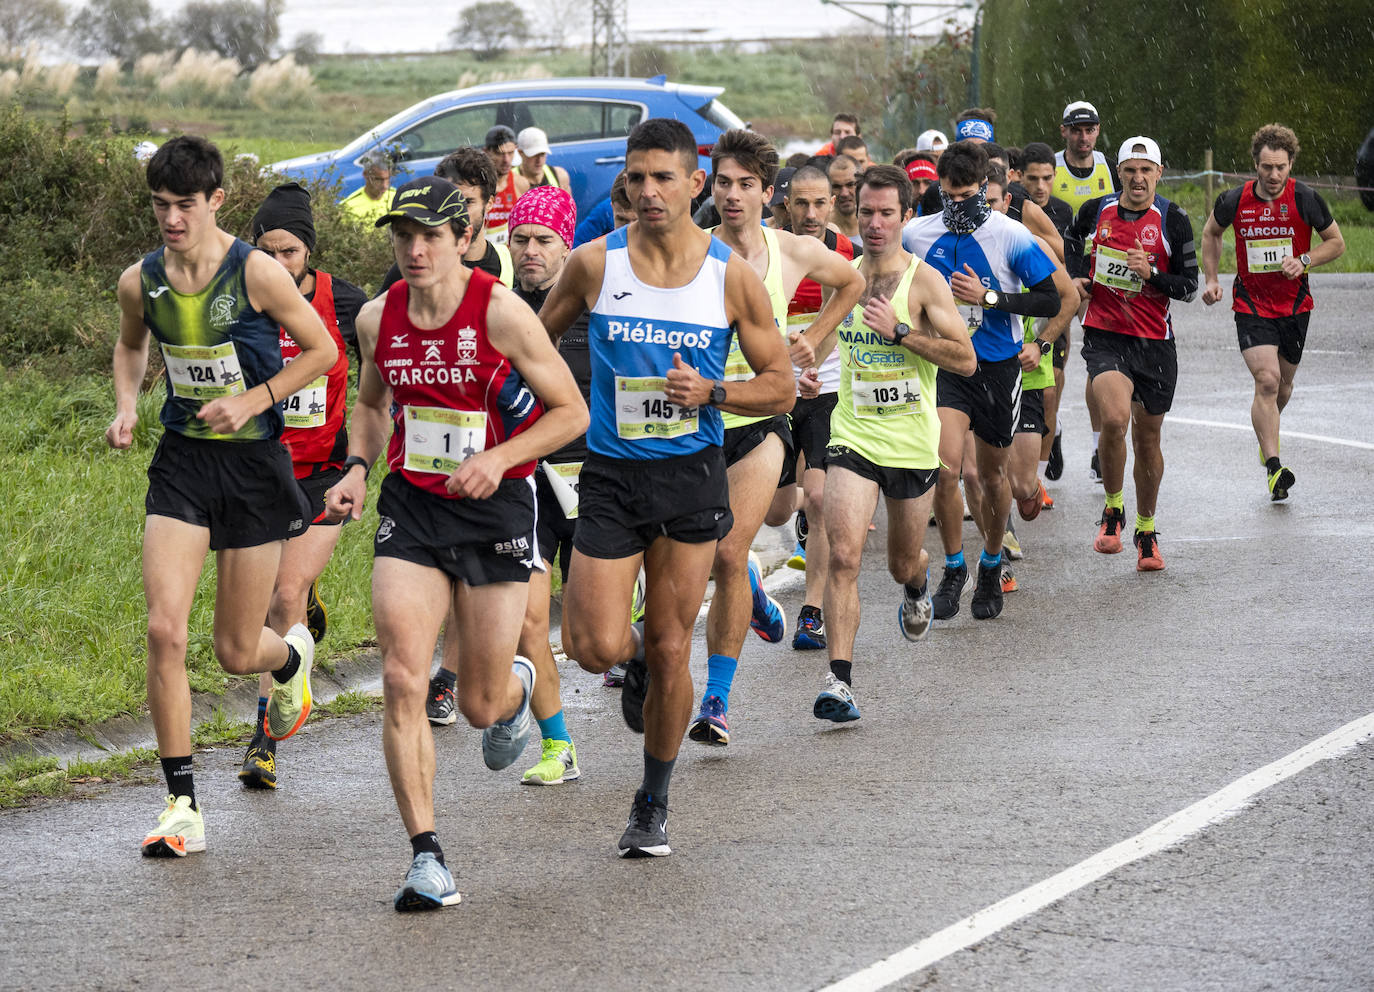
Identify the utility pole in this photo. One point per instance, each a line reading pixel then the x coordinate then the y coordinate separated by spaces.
pixel 610 38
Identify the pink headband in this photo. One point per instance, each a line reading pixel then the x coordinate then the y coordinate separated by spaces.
pixel 548 205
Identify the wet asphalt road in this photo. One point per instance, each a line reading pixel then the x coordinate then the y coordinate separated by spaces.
pixel 989 758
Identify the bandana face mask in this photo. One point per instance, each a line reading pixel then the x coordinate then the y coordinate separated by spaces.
pixel 966 216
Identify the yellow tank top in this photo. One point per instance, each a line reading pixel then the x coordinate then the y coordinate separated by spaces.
pixel 886 405
pixel 1076 192
pixel 736 365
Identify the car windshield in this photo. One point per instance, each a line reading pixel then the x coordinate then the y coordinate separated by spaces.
pixel 370 137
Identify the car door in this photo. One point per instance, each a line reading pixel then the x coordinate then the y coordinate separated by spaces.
pixel 586 137
pixel 420 146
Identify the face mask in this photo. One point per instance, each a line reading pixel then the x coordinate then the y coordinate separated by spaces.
pixel 966 216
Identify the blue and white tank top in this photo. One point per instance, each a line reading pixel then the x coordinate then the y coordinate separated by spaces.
pixel 633 333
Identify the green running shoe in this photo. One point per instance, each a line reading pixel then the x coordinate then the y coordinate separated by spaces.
pixel 557 764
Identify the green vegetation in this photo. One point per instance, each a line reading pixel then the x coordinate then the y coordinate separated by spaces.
pixel 22 779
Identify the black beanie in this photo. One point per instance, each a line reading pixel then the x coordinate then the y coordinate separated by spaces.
pixel 287 208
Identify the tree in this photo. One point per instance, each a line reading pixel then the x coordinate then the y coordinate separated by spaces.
pixel 237 29
pixel 25 21
pixel 121 29
pixel 489 28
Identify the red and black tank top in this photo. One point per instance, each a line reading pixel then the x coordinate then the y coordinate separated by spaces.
pixel 807 298
pixel 1121 302
pixel 454 394
pixel 1267 231
pixel 316 431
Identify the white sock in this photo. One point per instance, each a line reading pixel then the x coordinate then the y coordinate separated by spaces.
pixel 1059 428
pixel 1043 466
pixel 1096 435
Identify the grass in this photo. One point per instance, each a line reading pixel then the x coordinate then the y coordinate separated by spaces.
pixel 23 779
pixel 72 613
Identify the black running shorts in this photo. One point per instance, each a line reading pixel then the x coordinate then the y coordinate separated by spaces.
pixel 553 529
pixel 1150 364
pixel 315 488
pixel 1032 417
pixel 895 483
pixel 739 441
pixel 243 492
pixel 1060 354
pixel 626 504
pixel 811 427
pixel 474 541
pixel 1289 334
pixel 990 398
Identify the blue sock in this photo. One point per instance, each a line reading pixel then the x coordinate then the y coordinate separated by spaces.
pixel 989 561
pixel 262 709
pixel 720 675
pixel 955 560
pixel 554 729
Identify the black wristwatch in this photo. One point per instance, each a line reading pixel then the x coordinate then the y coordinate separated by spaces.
pixel 1045 346
pixel 352 460
pixel 717 393
pixel 899 332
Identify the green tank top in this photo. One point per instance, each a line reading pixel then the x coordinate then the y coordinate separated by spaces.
pixel 1042 376
pixel 736 365
pixel 886 405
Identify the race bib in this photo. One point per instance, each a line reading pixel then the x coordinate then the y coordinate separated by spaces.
pixel 974 317
pixel 203 372
pixel 885 393
pixel 737 368
pixel 1268 255
pixel 642 410
pixel 438 440
pixel 563 481
pixel 1113 272
pixel 305 407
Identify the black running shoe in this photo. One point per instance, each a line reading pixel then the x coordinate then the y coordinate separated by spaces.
pixel 646 833
pixel 259 770
pixel 316 616
pixel 1095 469
pixel 1055 468
pixel 946 598
pixel 987 594
pixel 636 687
pixel 800 529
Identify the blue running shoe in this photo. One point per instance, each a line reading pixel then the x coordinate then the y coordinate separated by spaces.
pixel 428 885
pixel 503 742
pixel 768 620
pixel 810 635
pixel 836 702
pixel 710 727
pixel 798 559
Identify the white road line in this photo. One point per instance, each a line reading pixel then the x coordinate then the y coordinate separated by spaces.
pixel 1323 438
pixel 1169 831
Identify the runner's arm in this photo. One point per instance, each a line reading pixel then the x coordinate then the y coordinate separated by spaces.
pixel 130 357
pixel 1068 303
pixel 941 336
pixel 841 287
pixel 1180 282
pixel 1080 232
pixel 1211 259
pixel 1038 223
pixel 573 294
pixel 368 421
pixel 1332 246
pixel 516 332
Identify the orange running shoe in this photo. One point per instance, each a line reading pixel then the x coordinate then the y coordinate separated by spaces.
pixel 1109 531
pixel 1046 500
pixel 1147 544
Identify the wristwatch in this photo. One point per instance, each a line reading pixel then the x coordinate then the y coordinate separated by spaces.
pixel 1153 271
pixel 1306 261
pixel 717 393
pixel 899 332
pixel 990 299
pixel 352 460
pixel 1045 346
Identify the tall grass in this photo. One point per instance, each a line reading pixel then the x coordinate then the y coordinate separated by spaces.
pixel 201 77
pixel 282 83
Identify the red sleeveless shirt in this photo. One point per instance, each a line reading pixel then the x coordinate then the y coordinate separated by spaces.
pixel 315 432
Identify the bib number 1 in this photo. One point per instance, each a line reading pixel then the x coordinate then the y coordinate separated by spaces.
pixel 438 440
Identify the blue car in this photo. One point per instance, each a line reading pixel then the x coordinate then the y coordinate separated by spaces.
pixel 586 121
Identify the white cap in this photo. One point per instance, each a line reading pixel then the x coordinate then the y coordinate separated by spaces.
pixel 1140 147
pixel 144 151
pixel 532 141
pixel 931 141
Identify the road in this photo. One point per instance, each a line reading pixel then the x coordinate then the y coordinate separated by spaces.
pixel 989 759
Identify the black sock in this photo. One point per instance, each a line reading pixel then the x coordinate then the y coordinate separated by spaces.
pixel 914 591
pixel 843 670
pixel 446 678
pixel 656 776
pixel 293 663
pixel 180 782
pixel 427 841
pixel 1272 465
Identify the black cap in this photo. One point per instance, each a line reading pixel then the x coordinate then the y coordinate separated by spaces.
pixel 428 200
pixel 781 185
pixel 498 136
pixel 287 208
pixel 1081 112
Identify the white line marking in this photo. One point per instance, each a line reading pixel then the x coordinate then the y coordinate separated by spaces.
pixel 1323 438
pixel 1215 808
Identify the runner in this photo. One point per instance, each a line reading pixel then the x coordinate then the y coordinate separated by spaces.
pixel 844 181
pixel 533 145
pixel 987 258
pixel 857 149
pixel 474 393
pixel 365 204
pixel 316 436
pixel 843 126
pixel 1080 174
pixel 499 146
pixel 809 205
pixel 1142 257
pixel 663 296
pixel 758 448
pixel 884 433
pixel 220 479
pixel 1037 178
pixel 1274 217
